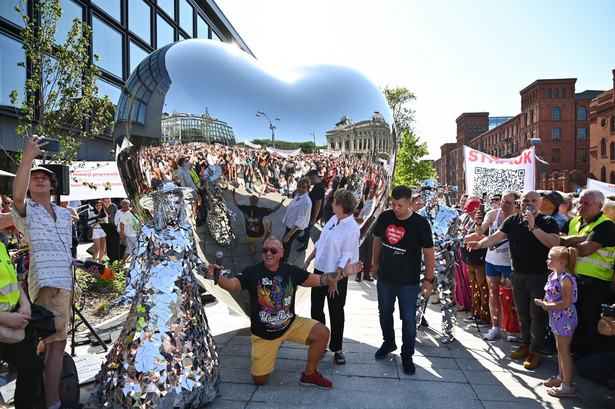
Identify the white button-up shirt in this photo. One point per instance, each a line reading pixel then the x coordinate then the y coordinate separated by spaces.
pixel 50 246
pixel 338 242
pixel 298 212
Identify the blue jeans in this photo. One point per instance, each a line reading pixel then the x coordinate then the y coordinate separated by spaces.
pixel 406 296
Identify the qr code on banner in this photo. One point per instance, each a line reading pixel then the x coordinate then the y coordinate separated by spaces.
pixel 492 181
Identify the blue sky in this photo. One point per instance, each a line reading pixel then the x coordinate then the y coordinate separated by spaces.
pixel 456 56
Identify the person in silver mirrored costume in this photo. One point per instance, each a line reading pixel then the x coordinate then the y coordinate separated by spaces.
pixel 444 225
pixel 165 355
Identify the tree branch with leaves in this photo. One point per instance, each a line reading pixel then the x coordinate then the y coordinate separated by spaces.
pixel 61 95
pixel 410 169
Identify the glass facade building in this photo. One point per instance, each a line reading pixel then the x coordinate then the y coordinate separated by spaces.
pixel 125 32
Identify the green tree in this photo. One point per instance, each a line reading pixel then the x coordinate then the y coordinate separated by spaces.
pixel 61 96
pixel 410 169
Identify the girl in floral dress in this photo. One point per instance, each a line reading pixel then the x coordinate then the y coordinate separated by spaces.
pixel 560 296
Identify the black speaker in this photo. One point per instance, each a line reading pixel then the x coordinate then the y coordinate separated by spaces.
pixel 62 174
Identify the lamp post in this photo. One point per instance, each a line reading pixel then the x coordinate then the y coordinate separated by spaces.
pixel 271 126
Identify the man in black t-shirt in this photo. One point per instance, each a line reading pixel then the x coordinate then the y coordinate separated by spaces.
pixel 256 228
pixel 401 237
pixel 531 234
pixel 272 286
pixel 317 195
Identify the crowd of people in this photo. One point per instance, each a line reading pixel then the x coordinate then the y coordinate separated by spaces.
pixel 554 253
pixel 558 255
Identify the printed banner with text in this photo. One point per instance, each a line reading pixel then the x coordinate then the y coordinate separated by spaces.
pixel 607 188
pixel 488 174
pixel 102 175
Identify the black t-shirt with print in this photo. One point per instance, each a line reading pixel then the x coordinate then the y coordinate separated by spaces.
pixel 253 216
pixel 272 297
pixel 527 253
pixel 402 244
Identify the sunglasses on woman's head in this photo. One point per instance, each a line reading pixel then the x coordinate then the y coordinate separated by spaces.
pixel 272 249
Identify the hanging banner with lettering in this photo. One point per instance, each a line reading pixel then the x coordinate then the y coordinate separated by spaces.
pixel 331 153
pixel 489 174
pixel 284 153
pixel 95 180
pixel 607 188
pixel 251 145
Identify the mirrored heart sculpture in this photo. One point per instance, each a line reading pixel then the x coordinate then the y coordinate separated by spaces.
pixel 191 127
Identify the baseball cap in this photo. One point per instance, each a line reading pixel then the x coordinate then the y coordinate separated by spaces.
pixel 555 197
pixel 471 205
pixel 41 169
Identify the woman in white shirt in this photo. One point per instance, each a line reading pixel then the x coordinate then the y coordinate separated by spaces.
pixel 337 245
pixel 297 216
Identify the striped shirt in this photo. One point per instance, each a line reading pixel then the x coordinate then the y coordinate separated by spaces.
pixel 50 246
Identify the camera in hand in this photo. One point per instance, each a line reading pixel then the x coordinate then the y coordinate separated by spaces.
pixel 608 310
pixel 53 145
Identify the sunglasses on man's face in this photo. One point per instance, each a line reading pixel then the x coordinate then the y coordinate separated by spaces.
pixel 273 250
pixel 495 199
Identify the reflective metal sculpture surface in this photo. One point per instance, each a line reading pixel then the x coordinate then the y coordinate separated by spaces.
pixel 191 111
pixel 447 239
pixel 165 356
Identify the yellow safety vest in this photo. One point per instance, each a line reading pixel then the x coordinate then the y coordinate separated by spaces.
pixel 9 287
pixel 195 177
pixel 599 264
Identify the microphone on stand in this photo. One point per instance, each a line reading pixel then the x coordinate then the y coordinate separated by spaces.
pixel 219 255
pixel 531 210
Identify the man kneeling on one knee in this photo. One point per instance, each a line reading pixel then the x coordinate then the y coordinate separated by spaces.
pixel 272 286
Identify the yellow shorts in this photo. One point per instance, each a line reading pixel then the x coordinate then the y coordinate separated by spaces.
pixel 265 351
pixel 267 226
pixel 59 302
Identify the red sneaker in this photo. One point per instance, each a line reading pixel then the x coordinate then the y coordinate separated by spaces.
pixel 316 379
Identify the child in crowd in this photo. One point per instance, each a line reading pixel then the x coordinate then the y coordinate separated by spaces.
pixel 560 294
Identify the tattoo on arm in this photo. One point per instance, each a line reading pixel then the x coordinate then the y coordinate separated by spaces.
pixel 328 278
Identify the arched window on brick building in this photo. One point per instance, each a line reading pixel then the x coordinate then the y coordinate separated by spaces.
pixel 556 93
pixel 563 92
pixel 533 116
pixel 603 174
pixel 555 114
pixel 612 177
pixel 582 115
pixel 603 148
pixel 549 93
pixel 612 150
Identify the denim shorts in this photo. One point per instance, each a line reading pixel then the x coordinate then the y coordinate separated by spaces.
pixel 492 270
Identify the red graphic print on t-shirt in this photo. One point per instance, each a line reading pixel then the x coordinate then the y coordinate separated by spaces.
pixel 395 234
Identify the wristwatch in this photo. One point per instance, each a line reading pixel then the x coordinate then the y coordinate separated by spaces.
pixel 534 228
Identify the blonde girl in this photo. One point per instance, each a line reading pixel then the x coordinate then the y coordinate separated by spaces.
pixel 560 296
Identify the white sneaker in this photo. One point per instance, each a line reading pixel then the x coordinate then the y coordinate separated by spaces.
pixel 512 338
pixel 492 334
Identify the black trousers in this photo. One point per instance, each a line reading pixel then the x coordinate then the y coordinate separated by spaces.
pixel 289 244
pixel 365 255
pixel 532 318
pixel 336 310
pixel 592 294
pixel 29 365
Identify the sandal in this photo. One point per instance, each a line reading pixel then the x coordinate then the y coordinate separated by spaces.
pixel 339 357
pixel 553 382
pixel 563 391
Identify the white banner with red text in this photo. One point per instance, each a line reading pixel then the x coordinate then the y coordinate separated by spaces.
pixel 607 188
pixel 488 174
